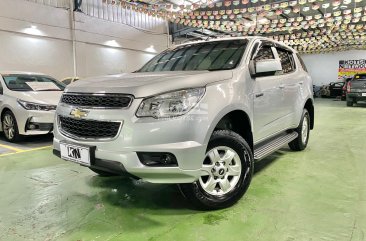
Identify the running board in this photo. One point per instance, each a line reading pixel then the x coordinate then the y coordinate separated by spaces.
pixel 273 145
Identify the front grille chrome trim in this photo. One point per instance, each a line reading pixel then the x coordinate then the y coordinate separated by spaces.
pixel 80 138
pixel 98 94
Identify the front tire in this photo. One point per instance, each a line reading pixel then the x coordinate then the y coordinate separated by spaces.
pixel 301 142
pixel 10 127
pixel 226 173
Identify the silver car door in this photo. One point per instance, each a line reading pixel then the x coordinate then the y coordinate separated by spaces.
pixel 266 99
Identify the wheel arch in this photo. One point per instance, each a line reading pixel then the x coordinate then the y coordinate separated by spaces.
pixel 236 120
pixel 2 114
pixel 309 105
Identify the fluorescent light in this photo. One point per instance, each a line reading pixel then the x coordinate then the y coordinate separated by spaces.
pixel 112 43
pixel 33 31
pixel 151 49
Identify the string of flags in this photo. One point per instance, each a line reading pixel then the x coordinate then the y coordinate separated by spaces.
pixel 306 25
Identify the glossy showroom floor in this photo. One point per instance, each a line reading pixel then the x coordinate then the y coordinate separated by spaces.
pixel 318 194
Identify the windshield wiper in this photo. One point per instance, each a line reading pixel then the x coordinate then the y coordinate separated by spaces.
pixel 49 90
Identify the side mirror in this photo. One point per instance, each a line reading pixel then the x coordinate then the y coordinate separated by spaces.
pixel 266 66
pixel 1 90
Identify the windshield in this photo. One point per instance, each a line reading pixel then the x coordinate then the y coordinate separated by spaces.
pixel 217 55
pixel 361 77
pixel 24 82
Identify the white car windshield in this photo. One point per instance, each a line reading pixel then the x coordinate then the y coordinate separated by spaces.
pixel 23 82
pixel 216 55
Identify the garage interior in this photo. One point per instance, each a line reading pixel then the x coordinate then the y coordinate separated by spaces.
pixel 317 194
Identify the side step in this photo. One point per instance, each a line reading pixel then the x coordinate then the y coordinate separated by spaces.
pixel 273 145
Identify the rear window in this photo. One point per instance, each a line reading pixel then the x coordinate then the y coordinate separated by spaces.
pixel 302 62
pixel 360 77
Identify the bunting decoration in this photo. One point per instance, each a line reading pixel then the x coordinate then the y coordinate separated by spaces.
pixel 307 25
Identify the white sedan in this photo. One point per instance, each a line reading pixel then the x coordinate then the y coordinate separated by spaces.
pixel 27 103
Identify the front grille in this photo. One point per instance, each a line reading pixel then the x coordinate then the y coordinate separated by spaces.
pixel 88 129
pixel 97 100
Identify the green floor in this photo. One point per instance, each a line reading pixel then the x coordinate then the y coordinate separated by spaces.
pixel 318 194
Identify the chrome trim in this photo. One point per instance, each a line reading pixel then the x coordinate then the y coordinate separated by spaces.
pixel 99 94
pixel 79 138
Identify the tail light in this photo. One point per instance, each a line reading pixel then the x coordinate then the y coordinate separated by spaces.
pixel 349 86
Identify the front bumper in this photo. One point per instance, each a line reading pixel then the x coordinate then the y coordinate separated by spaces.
pixel 34 122
pixel 128 161
pixel 182 137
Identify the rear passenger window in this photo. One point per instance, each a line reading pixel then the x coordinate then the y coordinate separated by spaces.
pixel 287 61
pixel 264 53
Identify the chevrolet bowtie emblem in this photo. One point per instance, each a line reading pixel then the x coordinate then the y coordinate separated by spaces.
pixel 78 113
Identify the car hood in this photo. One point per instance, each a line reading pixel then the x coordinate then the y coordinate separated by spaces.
pixel 41 97
pixel 147 84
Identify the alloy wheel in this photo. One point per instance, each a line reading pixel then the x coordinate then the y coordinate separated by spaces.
pixel 221 171
pixel 9 126
pixel 305 130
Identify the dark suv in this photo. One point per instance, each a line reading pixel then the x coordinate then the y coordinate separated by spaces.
pixel 356 89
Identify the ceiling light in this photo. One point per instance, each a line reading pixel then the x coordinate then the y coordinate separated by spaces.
pixel 33 31
pixel 151 49
pixel 112 43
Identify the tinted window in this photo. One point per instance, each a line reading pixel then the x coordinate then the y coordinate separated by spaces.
pixel 286 61
pixel 264 53
pixel 66 81
pixel 218 55
pixel 302 62
pixel 19 82
pixel 361 77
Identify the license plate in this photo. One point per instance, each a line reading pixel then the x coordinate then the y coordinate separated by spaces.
pixel 75 153
pixel 363 94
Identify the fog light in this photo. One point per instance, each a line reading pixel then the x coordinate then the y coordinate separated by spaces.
pixel 32 127
pixel 157 159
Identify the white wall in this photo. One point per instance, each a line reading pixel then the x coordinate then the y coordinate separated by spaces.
pixel 324 67
pixel 50 50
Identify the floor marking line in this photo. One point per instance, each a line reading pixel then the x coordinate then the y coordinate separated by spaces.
pixel 23 151
pixel 11 148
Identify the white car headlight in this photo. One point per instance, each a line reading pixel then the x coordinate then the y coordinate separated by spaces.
pixel 170 104
pixel 35 106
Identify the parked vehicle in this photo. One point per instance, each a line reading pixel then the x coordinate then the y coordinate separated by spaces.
pixel 332 90
pixel 69 80
pixel 197 115
pixel 335 89
pixel 356 89
pixel 27 103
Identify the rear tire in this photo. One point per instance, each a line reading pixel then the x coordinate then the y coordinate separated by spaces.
pixel 103 173
pixel 303 130
pixel 226 173
pixel 10 127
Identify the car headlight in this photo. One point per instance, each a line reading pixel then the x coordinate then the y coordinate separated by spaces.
pixel 35 106
pixel 170 104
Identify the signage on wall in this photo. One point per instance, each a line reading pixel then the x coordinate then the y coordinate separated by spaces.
pixel 348 68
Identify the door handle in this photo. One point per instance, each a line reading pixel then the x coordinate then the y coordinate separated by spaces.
pixel 301 82
pixel 259 95
pixel 281 86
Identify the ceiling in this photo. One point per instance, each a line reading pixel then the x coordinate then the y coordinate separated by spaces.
pixel 306 25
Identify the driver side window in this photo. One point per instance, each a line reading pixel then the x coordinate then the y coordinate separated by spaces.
pixel 264 53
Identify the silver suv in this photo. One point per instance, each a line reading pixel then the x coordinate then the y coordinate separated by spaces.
pixel 197 115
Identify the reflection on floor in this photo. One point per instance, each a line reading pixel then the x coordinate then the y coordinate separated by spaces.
pixel 318 194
